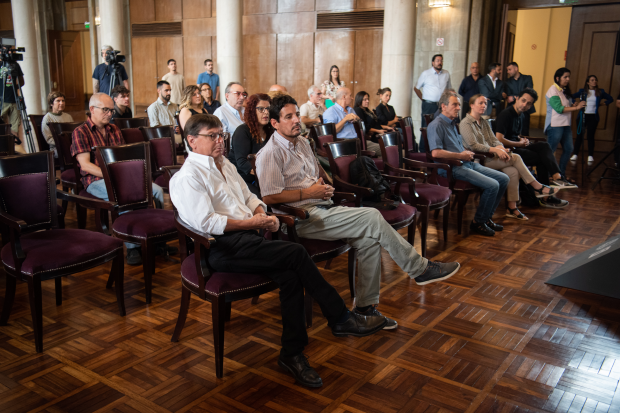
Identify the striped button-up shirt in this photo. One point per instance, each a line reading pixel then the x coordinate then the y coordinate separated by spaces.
pixel 87 136
pixel 283 165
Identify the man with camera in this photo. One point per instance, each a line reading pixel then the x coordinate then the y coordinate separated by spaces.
pixel 10 112
pixel 102 75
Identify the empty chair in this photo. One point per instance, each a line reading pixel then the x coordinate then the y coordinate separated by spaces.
pixel 410 147
pixel 323 133
pixel 37 126
pixel 163 154
pixel 131 123
pixel 132 135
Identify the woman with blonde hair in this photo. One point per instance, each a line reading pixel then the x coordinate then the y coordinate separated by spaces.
pixel 191 104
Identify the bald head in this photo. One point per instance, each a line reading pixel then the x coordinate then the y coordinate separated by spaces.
pixel 343 97
pixel 101 108
pixel 278 88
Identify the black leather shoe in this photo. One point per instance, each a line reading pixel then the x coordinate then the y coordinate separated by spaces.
pixel 390 325
pixel 359 325
pixel 494 226
pixel 437 271
pixel 481 228
pixel 299 368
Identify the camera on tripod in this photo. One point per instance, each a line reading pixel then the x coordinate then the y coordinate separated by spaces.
pixel 113 57
pixel 8 51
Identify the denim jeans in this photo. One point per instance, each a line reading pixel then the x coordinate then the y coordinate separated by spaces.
pixel 99 190
pixel 561 135
pixel 493 184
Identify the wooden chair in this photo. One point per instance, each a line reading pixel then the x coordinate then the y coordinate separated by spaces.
pixel 38 250
pixel 218 288
pixel 323 133
pixel 64 161
pixel 5 129
pixel 163 154
pixel 427 197
pixel 126 169
pixel 411 148
pixel 37 126
pixel 131 123
pixel 340 155
pixel 132 135
pixel 7 145
pixel 181 150
pixel 428 118
pixel 360 130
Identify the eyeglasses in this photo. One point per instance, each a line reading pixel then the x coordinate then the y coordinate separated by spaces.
pixel 214 136
pixel 105 110
pixel 242 94
pixel 261 109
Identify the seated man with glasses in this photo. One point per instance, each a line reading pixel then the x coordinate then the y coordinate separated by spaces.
pixel 231 112
pixel 314 107
pixel 211 197
pixel 98 131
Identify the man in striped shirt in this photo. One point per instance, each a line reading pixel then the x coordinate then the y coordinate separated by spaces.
pixel 288 173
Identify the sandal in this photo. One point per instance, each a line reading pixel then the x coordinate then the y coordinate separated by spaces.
pixel 519 215
pixel 541 194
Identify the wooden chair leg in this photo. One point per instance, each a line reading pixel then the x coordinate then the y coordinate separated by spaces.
pixel 228 311
pixel 185 298
pixel 118 272
pixel 255 300
pixel 446 217
pixel 218 313
pixel 327 264
pixel 9 297
pixel 148 265
pixel 58 288
pixel 81 216
pixel 461 200
pixel 308 301
pixel 34 293
pixel 423 228
pixel 437 213
pixel 411 231
pixel 352 267
pixel 65 204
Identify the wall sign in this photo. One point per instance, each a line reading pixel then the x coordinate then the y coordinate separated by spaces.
pixel 440 41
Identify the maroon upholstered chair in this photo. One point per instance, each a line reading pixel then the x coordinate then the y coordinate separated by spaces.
pixel 323 134
pixel 126 170
pixel 340 155
pixel 162 152
pixel 411 149
pixel 7 145
pixel 64 162
pixel 319 250
pixel 218 288
pixel 38 250
pixel 360 129
pixel 428 118
pixel 427 197
pixel 181 150
pixel 131 123
pixel 5 129
pixel 37 125
pixel 132 135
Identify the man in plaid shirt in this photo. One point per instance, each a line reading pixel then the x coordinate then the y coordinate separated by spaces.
pixel 98 131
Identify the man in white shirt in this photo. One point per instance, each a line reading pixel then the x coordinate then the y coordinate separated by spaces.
pixel 177 82
pixel 211 197
pixel 162 111
pixel 314 107
pixel 231 111
pixel 432 82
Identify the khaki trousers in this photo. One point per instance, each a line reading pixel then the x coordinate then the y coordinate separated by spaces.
pixel 366 230
pixel 515 169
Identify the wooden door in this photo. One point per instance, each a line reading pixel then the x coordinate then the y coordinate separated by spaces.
pixel 65 54
pixel 592 50
pixel 367 69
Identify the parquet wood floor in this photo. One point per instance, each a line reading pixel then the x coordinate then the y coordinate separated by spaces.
pixel 494 338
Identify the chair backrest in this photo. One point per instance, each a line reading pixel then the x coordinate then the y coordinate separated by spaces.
pixel 410 145
pixel 28 189
pixel 37 125
pixel 5 129
pixel 340 155
pixel 63 147
pixel 131 122
pixel 406 121
pixel 325 129
pixel 162 146
pixel 125 171
pixel 391 150
pixel 7 145
pixel 428 118
pixel 155 132
pixel 321 118
pixel 132 135
pixel 429 156
pixel 361 133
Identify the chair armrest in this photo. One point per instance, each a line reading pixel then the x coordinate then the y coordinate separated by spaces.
pixel 434 167
pixel 481 156
pixel 12 222
pixel 344 186
pixel 406 172
pixel 536 139
pixel 399 179
pixel 198 236
pixel 370 154
pixel 86 202
pixel 170 170
pixel 289 210
pixel 451 162
pixel 344 196
pixel 288 220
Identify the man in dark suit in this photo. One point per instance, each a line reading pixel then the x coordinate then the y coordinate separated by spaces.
pixel 492 88
pixel 514 85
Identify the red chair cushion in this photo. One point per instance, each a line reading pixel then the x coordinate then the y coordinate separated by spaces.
pixel 380 164
pixel 416 156
pixel 60 248
pixel 401 214
pixel 68 176
pixel 221 282
pixel 458 185
pixel 162 180
pixel 145 223
pixel 428 194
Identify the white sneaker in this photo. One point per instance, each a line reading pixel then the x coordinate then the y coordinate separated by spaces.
pixel 573 158
pixel 590 159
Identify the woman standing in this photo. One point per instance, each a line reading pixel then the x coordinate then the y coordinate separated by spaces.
pixel 56 100
pixel 593 98
pixel 192 104
pixel 385 113
pixel 557 123
pixel 210 104
pixel 478 136
pixel 250 137
pixel 331 86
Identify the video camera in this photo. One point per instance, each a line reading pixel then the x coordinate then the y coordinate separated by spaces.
pixel 8 51
pixel 113 57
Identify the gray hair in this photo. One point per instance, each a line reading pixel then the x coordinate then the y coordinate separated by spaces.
pixel 228 86
pixel 445 97
pixel 311 90
pixel 340 93
pixel 95 99
pixel 107 47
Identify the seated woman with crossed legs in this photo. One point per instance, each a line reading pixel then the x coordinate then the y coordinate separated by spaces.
pixel 478 136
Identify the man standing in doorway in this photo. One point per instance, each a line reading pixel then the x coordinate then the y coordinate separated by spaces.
pixel 102 75
pixel 176 80
pixel 211 78
pixel 469 87
pixel 515 84
pixel 433 82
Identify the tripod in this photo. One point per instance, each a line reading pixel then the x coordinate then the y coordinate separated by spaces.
pixel 21 104
pixel 114 68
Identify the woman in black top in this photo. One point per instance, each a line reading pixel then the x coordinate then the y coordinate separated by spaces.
pixel 210 103
pixel 191 104
pixel 362 101
pixel 250 137
pixel 385 113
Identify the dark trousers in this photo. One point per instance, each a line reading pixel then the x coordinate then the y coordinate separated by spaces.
pixel 589 124
pixel 539 154
pixel 290 266
pixel 428 108
pixel 525 127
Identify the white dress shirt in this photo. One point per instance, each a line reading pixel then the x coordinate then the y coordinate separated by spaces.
pixel 494 81
pixel 206 199
pixel 433 84
pixel 230 117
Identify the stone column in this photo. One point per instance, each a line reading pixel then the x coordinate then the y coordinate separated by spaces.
pixel 112 29
pixel 94 44
pixel 229 43
pixel 399 24
pixel 26 36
